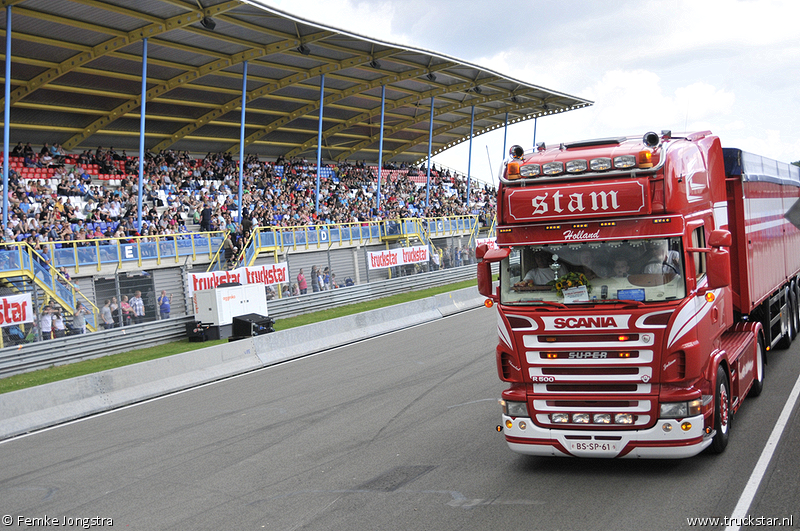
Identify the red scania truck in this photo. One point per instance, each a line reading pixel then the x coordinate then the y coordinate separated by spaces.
pixel 642 283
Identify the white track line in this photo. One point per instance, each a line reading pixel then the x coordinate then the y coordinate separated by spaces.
pixel 749 492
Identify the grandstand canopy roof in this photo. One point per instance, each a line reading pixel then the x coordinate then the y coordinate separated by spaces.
pixel 76 80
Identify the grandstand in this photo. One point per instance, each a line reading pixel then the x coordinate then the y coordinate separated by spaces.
pixel 84 91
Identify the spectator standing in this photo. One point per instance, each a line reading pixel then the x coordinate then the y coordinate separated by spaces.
pixel 164 304
pixel 59 329
pixel 78 319
pixel 105 314
pixel 137 304
pixel 315 287
pixel 127 311
pixel 46 323
pixel 302 285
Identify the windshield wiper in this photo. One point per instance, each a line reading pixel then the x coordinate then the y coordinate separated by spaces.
pixel 544 302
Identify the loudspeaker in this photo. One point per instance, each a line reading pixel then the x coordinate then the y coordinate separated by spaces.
pixel 197 332
pixel 251 324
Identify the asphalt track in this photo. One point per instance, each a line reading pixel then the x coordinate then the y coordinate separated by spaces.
pixel 395 432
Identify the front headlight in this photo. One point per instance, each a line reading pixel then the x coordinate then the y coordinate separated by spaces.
pixel 514 409
pixel 678 410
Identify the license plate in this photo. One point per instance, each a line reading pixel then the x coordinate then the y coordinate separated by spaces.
pixel 593 447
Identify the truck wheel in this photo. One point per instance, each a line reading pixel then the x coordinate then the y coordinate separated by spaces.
pixel 786 339
pixel 758 383
pixel 722 412
pixel 793 315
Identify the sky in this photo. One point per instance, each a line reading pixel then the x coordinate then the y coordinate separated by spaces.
pixel 728 66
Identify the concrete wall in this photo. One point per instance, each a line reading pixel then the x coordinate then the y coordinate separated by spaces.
pixel 58 402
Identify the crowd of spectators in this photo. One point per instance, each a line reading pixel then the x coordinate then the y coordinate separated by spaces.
pixel 73 205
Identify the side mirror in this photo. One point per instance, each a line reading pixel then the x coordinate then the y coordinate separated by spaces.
pixel 487 257
pixel 719 267
pixel 720 238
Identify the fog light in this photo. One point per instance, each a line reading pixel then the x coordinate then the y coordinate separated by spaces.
pixel 580 418
pixel 666 427
pixel 686 426
pixel 602 418
pixel 623 418
pixel 560 418
pixel 522 425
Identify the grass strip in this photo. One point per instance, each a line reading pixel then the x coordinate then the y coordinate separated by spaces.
pixel 80 368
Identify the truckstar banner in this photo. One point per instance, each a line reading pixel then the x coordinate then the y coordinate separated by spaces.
pixel 266 274
pixel 398 257
pixel 15 309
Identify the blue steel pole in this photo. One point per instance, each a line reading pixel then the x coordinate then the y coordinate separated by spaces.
pixel 505 136
pixel 380 150
pixel 430 143
pixel 141 133
pixel 469 158
pixel 319 140
pixel 7 119
pixel 241 141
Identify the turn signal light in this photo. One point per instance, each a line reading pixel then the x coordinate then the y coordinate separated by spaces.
pixel 645 159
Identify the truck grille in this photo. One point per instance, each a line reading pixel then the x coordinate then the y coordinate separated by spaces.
pixel 604 383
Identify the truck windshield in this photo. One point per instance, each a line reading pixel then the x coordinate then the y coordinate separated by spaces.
pixel 641 270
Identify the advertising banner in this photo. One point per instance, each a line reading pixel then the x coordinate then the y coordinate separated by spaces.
pixel 398 257
pixel 16 309
pixel 264 274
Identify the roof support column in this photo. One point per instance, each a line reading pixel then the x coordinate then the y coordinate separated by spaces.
pixel 141 133
pixel 430 143
pixel 469 157
pixel 380 150
pixel 319 139
pixel 505 137
pixel 241 142
pixel 7 118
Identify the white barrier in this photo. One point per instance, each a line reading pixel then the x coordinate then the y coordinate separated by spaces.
pixel 58 402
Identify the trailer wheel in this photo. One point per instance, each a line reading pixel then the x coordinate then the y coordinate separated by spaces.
pixel 794 314
pixel 761 366
pixel 722 412
pixel 786 339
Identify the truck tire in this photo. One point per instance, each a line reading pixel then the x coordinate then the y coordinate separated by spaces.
pixel 722 412
pixel 786 339
pixel 761 366
pixel 793 315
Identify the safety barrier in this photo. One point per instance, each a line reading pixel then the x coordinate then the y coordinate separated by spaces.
pixel 46 405
pixel 43 354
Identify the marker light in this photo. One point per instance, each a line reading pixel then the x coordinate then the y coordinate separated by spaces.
pixel 488 303
pixel 512 170
pixel 710 296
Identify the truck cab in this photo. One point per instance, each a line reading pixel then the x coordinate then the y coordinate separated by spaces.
pixel 615 310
